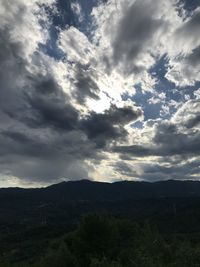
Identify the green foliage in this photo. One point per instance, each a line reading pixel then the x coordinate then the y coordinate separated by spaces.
pixel 57 258
pixel 102 241
pixel 104 263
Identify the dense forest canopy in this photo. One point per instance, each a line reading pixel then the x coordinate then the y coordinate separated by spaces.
pixel 105 241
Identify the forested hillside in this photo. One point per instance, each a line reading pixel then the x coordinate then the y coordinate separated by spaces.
pixel 104 241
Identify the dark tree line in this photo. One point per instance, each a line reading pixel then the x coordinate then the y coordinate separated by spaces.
pixel 102 241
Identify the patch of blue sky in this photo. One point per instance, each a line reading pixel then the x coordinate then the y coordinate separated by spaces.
pixel 190 5
pixel 137 124
pixel 58 20
pixel 171 91
pixel 154 110
pixel 66 17
pixel 190 90
pixel 86 24
pixel 163 85
pixel 141 98
pixel 51 47
pixel 159 71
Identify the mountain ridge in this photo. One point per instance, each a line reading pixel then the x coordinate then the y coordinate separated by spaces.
pixel 94 190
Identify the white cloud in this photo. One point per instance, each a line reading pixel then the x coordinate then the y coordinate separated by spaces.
pixel 76 8
pixel 197 94
pixel 188 115
pixel 76 45
pixel 184 52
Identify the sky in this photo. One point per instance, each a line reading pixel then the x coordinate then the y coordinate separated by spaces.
pixel 106 90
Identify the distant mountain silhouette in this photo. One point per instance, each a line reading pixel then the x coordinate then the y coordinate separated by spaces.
pixel 85 190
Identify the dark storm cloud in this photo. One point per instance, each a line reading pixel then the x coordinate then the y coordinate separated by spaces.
pixel 48 145
pixel 44 156
pixel 168 140
pixel 158 170
pixel 165 145
pixel 35 100
pixel 125 169
pixel 12 69
pixel 20 143
pixel 63 142
pixel 40 103
pixel 49 107
pixel 171 141
pixel 17 137
pixel 134 150
pixel 85 84
pixel 183 170
pixel 136 28
pixel 103 128
pixel 192 122
pixel 9 49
